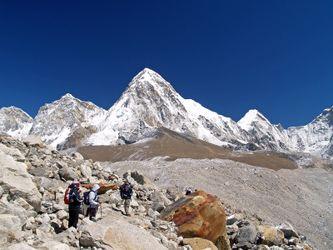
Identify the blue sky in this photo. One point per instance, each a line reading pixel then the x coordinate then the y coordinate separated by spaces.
pixel 276 56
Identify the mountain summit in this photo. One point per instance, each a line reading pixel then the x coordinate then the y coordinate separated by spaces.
pixel 264 133
pixel 56 121
pixel 149 103
pixel 15 122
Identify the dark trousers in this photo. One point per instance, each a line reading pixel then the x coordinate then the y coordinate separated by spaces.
pixel 73 216
pixel 91 212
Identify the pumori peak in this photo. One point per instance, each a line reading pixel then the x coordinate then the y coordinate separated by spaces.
pixel 149 77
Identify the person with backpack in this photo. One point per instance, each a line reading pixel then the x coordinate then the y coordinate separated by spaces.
pixel 126 192
pixel 74 200
pixel 91 199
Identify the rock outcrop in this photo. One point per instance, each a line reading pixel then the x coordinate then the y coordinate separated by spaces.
pixel 199 215
pixel 114 232
pixel 15 179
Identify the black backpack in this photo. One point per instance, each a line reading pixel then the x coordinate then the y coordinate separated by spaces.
pixel 126 191
pixel 86 198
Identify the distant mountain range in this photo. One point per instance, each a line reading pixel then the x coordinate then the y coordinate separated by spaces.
pixel 149 103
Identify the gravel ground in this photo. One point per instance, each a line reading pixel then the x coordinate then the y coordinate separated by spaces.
pixel 302 197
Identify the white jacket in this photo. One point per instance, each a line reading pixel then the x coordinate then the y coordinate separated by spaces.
pixel 93 196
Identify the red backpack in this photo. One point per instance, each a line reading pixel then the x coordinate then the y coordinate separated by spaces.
pixel 66 198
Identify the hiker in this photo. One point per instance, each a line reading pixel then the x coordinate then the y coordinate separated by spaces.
pixel 91 199
pixel 188 191
pixel 74 200
pixel 126 194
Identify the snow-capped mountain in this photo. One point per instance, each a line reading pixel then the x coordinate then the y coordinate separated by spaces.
pixel 15 122
pixel 57 121
pixel 263 133
pixel 151 102
pixel 315 137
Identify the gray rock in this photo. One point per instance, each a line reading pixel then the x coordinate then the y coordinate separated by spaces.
pixel 62 214
pixel 30 223
pixel 77 156
pixel 247 234
pixel 9 222
pixel 68 174
pixel 120 234
pixel 14 152
pixel 85 170
pixel 233 218
pixel 39 171
pixel 14 177
pixel 86 240
pixel 157 206
pixel 153 214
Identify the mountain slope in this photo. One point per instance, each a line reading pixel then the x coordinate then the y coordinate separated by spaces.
pixel 151 102
pixel 15 122
pixel 169 144
pixel 57 121
pixel 315 137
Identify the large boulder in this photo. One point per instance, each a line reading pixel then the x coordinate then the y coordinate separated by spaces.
pixel 14 152
pixel 15 180
pixel 10 226
pixel 199 215
pixel 9 222
pixel 113 232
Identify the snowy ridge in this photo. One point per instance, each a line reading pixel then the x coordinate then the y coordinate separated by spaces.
pixel 56 121
pixel 150 102
pixel 315 137
pixel 15 122
pixel 264 133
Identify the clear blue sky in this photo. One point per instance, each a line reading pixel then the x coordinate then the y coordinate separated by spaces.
pixel 276 56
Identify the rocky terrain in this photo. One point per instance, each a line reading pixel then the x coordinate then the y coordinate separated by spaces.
pixel 150 103
pixel 301 197
pixel 33 179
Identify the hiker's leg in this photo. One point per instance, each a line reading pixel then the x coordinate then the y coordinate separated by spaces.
pixel 76 217
pixel 93 211
pixel 127 206
pixel 71 218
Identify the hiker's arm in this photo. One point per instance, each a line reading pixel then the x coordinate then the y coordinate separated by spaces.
pixel 77 197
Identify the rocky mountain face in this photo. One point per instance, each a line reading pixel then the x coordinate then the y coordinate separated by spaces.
pixel 15 122
pixel 58 122
pixel 150 102
pixel 263 133
pixel 315 137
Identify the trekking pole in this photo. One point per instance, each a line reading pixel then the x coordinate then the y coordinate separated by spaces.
pixel 101 212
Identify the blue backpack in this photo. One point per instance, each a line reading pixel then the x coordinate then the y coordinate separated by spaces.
pixel 86 198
